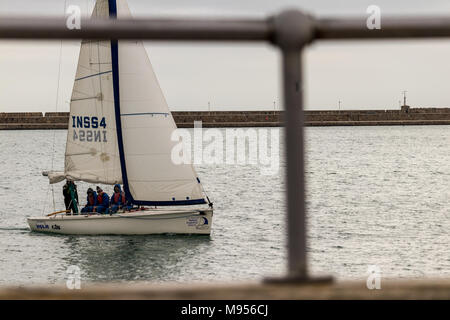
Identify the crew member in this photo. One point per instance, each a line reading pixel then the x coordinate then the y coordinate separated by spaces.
pixel 102 201
pixel 91 201
pixel 68 188
pixel 117 199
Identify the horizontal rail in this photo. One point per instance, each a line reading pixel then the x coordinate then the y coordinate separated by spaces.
pixel 391 28
pixel 156 29
pixel 219 30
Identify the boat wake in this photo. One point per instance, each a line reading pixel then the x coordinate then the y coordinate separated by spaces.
pixel 14 229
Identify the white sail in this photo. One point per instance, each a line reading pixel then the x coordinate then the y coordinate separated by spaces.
pixel 91 150
pixel 115 76
pixel 147 125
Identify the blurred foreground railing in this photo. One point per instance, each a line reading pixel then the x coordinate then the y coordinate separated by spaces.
pixel 290 31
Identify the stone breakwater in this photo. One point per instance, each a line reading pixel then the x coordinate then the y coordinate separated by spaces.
pixel 185 119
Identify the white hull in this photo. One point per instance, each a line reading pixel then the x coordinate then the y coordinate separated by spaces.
pixel 154 221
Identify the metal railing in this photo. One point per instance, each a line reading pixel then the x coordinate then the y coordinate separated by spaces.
pixel 290 31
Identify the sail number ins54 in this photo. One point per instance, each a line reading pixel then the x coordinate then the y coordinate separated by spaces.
pixel 83 126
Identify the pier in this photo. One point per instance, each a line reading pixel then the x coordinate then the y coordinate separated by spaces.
pixel 218 119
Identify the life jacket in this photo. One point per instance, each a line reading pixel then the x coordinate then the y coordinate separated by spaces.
pixel 91 200
pixel 117 198
pixel 100 198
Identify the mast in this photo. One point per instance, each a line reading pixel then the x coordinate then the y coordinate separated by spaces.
pixel 115 72
pixel 146 114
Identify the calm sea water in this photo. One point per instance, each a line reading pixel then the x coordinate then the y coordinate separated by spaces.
pixel 376 196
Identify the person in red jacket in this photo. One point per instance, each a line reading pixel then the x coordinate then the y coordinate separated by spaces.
pixel 102 201
pixel 91 201
pixel 117 199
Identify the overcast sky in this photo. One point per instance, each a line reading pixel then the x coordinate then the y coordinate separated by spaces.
pixel 38 76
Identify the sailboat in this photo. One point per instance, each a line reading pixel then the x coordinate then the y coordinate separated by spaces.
pixel 119 132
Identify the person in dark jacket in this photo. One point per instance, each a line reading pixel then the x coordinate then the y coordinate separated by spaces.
pixel 91 201
pixel 102 201
pixel 70 194
pixel 117 199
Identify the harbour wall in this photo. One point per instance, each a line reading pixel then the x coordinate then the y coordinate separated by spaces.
pixel 185 119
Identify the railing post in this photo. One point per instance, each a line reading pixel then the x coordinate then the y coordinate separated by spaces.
pixel 293 30
pixel 295 179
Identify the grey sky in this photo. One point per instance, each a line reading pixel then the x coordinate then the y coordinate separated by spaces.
pixel 363 75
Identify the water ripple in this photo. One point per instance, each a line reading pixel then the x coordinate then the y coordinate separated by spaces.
pixel 376 195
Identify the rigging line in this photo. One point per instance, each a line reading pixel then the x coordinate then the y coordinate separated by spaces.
pixel 79 92
pixel 93 75
pixel 46 199
pixel 88 153
pixel 88 98
pixel 56 102
pixel 206 195
pixel 56 108
pixel 53 197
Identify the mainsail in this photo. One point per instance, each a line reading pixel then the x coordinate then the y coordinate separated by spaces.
pixel 91 151
pixel 120 125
